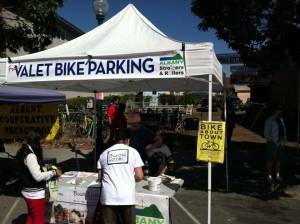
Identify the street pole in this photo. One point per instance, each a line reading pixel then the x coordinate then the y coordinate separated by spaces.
pixel 100 8
pixel 98 127
pixel 99 139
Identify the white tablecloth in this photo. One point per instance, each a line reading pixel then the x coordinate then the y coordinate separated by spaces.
pixel 76 203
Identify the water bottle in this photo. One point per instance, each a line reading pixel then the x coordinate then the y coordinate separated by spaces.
pixel 146 170
pixel 171 165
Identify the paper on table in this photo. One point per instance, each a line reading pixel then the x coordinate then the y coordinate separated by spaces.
pixel 74 182
pixel 167 178
pixel 176 181
pixel 94 184
pixel 70 174
pixel 84 174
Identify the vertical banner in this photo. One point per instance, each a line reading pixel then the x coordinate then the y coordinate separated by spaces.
pixel 74 205
pixel 211 141
pixel 151 209
pixel 65 213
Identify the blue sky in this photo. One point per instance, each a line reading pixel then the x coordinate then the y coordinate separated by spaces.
pixel 172 17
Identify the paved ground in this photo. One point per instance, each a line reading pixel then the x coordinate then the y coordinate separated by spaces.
pixel 246 200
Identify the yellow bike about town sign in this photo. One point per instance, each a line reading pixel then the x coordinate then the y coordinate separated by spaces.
pixel 211 141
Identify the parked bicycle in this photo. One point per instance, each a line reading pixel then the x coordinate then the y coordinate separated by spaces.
pixel 80 124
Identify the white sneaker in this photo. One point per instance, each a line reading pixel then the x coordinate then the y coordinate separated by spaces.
pixel 269 179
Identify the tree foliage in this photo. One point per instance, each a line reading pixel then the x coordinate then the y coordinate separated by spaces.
pixel 27 24
pixel 265 32
pixel 185 99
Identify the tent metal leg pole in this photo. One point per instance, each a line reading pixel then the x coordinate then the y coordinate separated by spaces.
pixel 95 132
pixel 298 119
pixel 257 116
pixel 209 194
pixel 72 137
pixel 209 162
pixel 210 98
pixel 226 146
pixel 94 143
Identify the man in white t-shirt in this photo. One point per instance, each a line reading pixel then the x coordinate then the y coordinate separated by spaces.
pixel 120 166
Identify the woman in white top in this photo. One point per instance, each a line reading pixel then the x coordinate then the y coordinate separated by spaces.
pixel 34 176
pixel 120 166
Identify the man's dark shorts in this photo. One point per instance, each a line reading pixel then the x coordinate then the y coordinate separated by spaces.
pixel 274 151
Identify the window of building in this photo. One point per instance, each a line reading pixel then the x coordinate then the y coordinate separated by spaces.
pixel 62 35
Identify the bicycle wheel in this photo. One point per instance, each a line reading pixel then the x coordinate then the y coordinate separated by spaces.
pixel 204 146
pixel 215 146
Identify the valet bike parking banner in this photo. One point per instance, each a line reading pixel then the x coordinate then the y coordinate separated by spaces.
pixel 167 66
pixel 211 139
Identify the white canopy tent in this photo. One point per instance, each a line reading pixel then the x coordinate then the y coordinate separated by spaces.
pixel 126 53
pixel 114 57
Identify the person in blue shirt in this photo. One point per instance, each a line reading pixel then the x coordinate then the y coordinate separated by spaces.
pixel 142 139
pixel 275 134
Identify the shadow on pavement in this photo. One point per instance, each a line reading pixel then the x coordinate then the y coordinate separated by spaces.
pixel 85 165
pixel 10 183
pixel 20 219
pixel 246 171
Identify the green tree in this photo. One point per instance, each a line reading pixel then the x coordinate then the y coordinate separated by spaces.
pixel 27 24
pixel 139 97
pixel 191 99
pixel 163 99
pixel 169 99
pixel 147 99
pixel 108 99
pixel 78 102
pixel 265 32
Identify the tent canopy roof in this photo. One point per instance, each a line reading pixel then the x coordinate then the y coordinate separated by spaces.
pixel 12 94
pixel 126 35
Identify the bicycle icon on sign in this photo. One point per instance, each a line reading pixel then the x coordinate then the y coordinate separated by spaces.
pixel 210 145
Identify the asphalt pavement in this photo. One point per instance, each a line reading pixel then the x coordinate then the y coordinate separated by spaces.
pixel 244 198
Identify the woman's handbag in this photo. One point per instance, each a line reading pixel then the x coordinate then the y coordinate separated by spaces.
pixel 97 213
